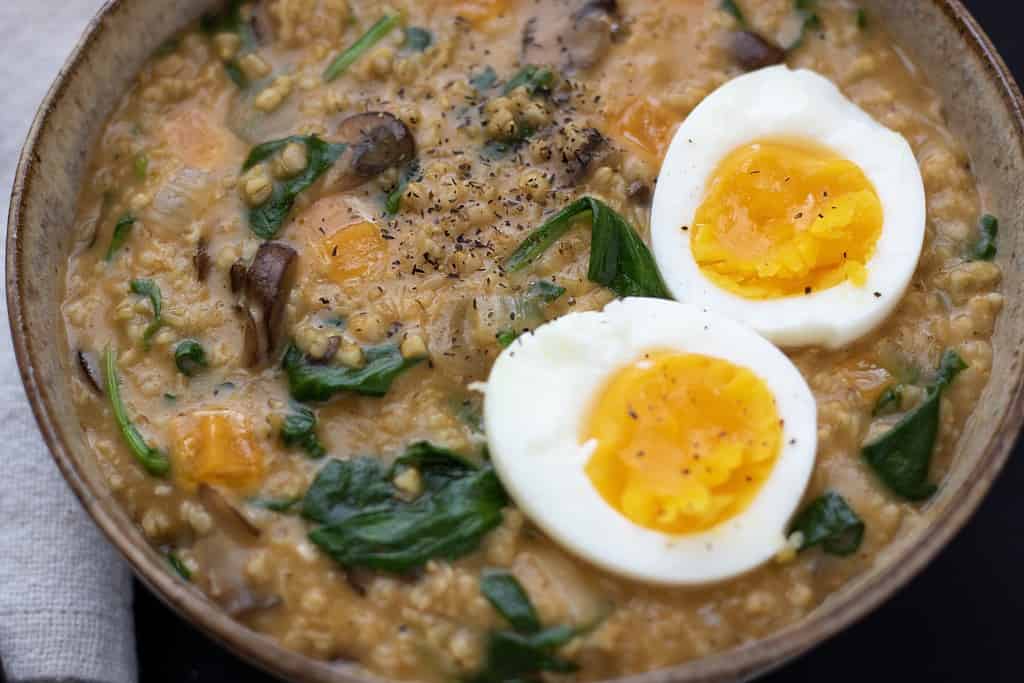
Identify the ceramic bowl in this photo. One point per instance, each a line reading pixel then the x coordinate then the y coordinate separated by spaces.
pixel 984 109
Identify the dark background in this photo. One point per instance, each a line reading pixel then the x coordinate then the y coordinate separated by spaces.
pixel 955 622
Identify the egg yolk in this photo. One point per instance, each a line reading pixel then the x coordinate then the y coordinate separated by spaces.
pixel 786 218
pixel 217 447
pixel 354 251
pixel 683 441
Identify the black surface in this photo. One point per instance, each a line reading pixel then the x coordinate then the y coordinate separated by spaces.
pixel 956 622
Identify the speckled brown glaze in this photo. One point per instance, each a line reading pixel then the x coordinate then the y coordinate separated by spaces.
pixel 983 106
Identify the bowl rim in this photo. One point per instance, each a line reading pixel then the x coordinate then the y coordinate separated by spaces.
pixel 739 663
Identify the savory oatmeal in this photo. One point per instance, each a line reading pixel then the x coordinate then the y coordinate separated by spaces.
pixel 312 228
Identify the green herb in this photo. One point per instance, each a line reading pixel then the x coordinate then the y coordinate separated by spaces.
pixel 862 19
pixel 732 8
pixel 417 39
pixel 151 459
pixel 309 382
pixel 299 429
pixel 280 505
pixel 889 402
pixel 170 398
pixel 394 199
pixel 484 80
pixel 122 229
pixel 810 19
pixel 523 653
pixel 528 308
pixel 901 457
pixel 366 523
pixel 178 566
pixel 619 259
pixel 985 248
pixel 150 289
pixel 190 357
pixel 141 166
pixel 832 523
pixel 534 79
pixel 508 597
pixel 343 61
pixel 266 219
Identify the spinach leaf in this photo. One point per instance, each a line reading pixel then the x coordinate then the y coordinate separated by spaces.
pixel 811 21
pixel 417 39
pixel 889 401
pixel 179 567
pixel 299 429
pixel 394 199
pixel 122 229
pixel 619 259
pixel 517 657
pixel 484 80
pixel 732 8
pixel 901 457
pixel 535 79
pixel 367 524
pixel 152 459
pixel 189 357
pixel 266 219
pixel 280 505
pixel 151 290
pixel 528 309
pixel 438 466
pixel 347 58
pixel 309 382
pixel 508 597
pixel 831 522
pixel 862 19
pixel 343 488
pixel 985 248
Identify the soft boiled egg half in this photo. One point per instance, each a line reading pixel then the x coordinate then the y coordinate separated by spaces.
pixel 654 439
pixel 785 206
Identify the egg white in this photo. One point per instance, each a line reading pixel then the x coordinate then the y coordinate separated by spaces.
pixel 779 103
pixel 542 389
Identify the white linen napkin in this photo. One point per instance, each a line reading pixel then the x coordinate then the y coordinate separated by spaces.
pixel 65 594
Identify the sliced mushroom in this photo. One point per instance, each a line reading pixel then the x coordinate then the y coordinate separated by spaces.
pixel 91 373
pixel 227 518
pixel 751 51
pixel 577 42
pixel 201 260
pixel 264 292
pixel 377 141
pixel 237 276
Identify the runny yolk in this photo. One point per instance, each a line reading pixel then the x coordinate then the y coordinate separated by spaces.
pixel 784 218
pixel 683 441
pixel 353 251
pixel 217 447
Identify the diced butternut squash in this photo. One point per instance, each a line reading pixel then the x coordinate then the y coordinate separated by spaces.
pixel 217 447
pixel 480 11
pixel 341 246
pixel 645 125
